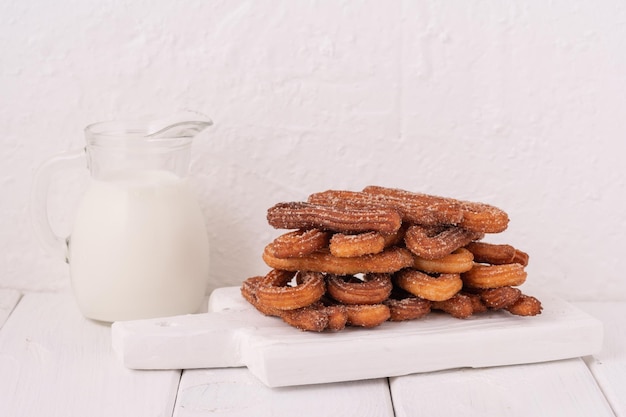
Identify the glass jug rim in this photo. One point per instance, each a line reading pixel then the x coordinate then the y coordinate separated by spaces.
pixel 130 132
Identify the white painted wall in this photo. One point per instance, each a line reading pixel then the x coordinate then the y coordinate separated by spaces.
pixel 519 104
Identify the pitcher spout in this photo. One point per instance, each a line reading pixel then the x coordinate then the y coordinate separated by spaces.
pixel 181 125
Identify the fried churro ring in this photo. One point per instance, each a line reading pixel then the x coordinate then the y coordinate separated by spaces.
pixel 407 308
pixel 499 298
pixel 248 288
pixel 390 260
pixel 520 258
pixel 274 292
pixel 315 317
pixel 490 253
pixel 337 316
pixel 373 289
pixel 300 215
pixel 299 243
pixel 396 238
pixel 459 306
pixel 349 246
pixel 429 287
pixel 477 303
pixel 484 218
pixel 525 305
pixel 413 207
pixel 461 260
pixel 494 276
pixel 434 243
pixel 367 315
pixel 248 291
pixel 478 217
pixel 419 208
pixel 312 318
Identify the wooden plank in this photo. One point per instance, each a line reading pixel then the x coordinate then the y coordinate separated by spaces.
pixel 8 301
pixel 609 366
pixel 54 362
pixel 232 392
pixel 561 388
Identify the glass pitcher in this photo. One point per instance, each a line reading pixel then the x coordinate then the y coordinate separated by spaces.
pixel 139 247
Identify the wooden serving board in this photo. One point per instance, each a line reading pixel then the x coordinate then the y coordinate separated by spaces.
pixel 234 334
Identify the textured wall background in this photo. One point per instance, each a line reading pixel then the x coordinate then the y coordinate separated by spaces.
pixel 518 105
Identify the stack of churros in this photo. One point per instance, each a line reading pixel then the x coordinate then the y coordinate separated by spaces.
pixel 360 258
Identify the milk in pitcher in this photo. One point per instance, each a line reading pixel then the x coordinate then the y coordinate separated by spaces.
pixel 139 247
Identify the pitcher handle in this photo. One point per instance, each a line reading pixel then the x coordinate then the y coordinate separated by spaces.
pixel 54 244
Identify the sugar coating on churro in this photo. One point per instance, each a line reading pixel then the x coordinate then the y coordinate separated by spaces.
pixel 360 258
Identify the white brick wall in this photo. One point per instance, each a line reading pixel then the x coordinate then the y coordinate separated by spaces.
pixel 521 106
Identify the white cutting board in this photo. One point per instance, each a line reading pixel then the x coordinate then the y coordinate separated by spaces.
pixel 234 334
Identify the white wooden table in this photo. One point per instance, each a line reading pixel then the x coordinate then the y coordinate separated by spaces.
pixel 53 362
